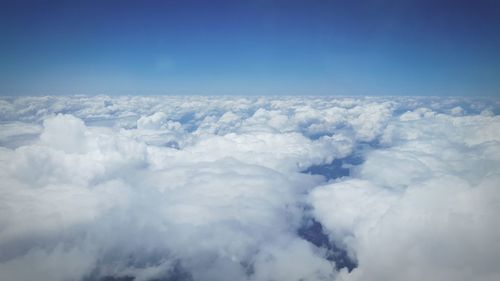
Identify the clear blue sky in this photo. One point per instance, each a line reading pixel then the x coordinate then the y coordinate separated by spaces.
pixel 388 47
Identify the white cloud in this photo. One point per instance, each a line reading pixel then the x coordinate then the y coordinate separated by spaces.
pixel 211 188
pixel 64 132
pixel 423 208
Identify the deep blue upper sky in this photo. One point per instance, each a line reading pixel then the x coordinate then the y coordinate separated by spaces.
pixel 387 47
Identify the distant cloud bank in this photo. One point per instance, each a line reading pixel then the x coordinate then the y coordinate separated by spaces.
pixel 222 188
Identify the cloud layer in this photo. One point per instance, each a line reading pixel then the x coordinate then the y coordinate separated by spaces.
pixel 216 188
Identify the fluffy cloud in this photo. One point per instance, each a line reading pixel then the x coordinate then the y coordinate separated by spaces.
pixel 212 188
pixel 423 207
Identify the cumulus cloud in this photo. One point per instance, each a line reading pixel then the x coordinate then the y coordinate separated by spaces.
pixel 215 188
pixel 423 207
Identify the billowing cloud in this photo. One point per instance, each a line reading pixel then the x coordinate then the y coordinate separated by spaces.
pixel 213 188
pixel 425 206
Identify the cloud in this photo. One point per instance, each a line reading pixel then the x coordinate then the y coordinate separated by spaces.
pixel 217 188
pixel 423 208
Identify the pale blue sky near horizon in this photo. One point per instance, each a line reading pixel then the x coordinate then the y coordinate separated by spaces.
pixel 254 47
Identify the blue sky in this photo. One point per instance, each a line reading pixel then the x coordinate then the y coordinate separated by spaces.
pixel 378 47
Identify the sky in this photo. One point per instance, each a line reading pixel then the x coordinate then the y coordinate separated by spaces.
pixel 254 47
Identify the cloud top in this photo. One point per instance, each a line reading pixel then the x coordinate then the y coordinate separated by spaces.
pixel 214 188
